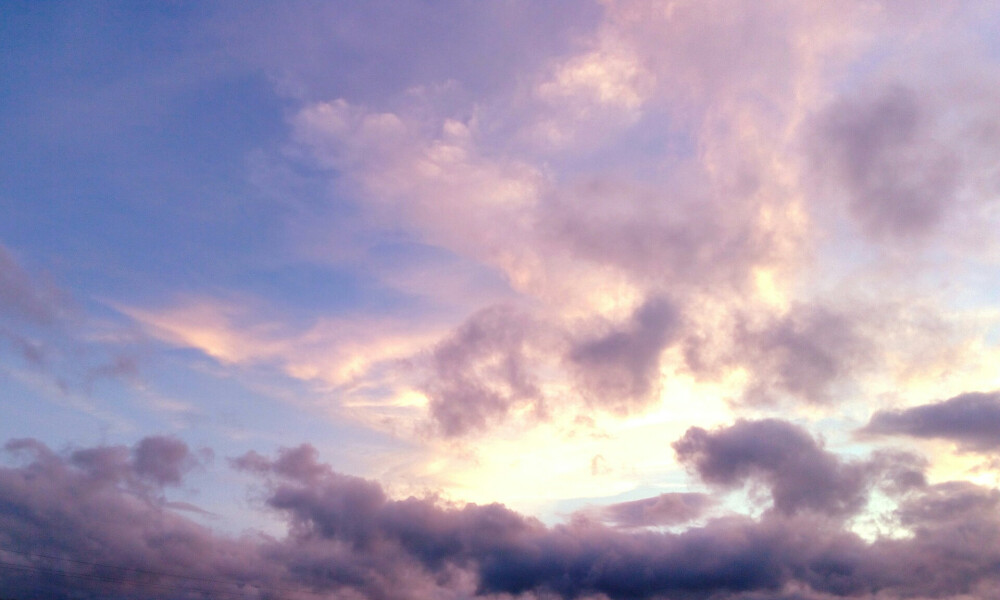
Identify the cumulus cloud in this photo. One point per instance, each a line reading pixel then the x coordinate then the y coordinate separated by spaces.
pixel 586 223
pixel 499 360
pixel 801 353
pixel 798 472
pixel 909 149
pixel 93 523
pixel 484 369
pixel 162 459
pixel 78 521
pixel 898 180
pixel 620 369
pixel 588 232
pixel 971 420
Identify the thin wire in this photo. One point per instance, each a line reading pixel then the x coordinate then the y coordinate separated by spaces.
pixel 110 579
pixel 263 587
pixel 135 569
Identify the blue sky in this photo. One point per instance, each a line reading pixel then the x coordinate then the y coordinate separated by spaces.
pixel 600 269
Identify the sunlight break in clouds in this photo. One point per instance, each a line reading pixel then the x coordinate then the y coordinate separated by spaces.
pixel 398 300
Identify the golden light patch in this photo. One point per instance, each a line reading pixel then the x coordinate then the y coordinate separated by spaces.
pixel 948 465
pixel 768 289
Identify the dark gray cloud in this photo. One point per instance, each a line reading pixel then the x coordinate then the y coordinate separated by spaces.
pixel 483 370
pixel 949 504
pixel 970 420
pixel 620 369
pixel 85 525
pixel 511 554
pixel 156 460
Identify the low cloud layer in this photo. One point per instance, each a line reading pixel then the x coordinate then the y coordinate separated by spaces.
pixel 93 523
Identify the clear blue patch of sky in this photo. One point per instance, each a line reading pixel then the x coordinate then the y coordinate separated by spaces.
pixel 127 144
pixel 309 289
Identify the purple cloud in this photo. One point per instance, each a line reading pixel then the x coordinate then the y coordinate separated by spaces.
pixel 970 420
pixel 665 509
pixel 802 353
pixel 24 297
pixel 483 370
pixel 162 460
pixel 89 526
pixel 620 369
pixel 78 522
pixel 899 182
pixel 800 474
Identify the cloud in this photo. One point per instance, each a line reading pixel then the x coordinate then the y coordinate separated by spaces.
pixel 971 420
pixel 43 325
pixel 85 521
pixel 587 224
pixel 620 369
pixel 485 369
pixel 800 474
pixel 162 459
pixel 666 509
pixel 802 353
pixel 898 180
pixel 102 507
pixel 726 558
pixel 497 364
pixel 947 504
pixel 25 297
pixel 909 148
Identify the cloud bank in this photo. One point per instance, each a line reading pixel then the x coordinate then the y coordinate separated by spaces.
pixel 93 523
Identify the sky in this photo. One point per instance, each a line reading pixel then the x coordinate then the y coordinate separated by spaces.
pixel 505 299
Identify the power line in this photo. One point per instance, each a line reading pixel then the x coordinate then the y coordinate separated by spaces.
pixel 133 569
pixel 122 579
